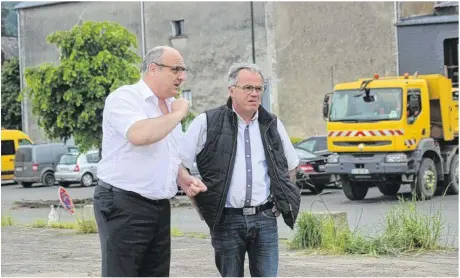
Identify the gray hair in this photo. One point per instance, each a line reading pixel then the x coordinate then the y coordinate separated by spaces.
pixel 153 56
pixel 237 67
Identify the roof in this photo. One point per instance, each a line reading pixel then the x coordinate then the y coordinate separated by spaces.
pixel 445 4
pixel 428 19
pixel 34 4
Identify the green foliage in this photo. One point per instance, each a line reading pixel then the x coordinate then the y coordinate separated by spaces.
pixel 405 229
pixel 11 106
pixel 68 99
pixel 7 221
pixel 189 118
pixel 295 140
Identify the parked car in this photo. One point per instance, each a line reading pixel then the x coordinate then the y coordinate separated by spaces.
pixel 311 173
pixel 11 140
pixel 36 163
pixel 77 168
pixel 315 144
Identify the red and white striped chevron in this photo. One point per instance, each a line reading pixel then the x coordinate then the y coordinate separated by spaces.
pixel 366 133
pixel 410 142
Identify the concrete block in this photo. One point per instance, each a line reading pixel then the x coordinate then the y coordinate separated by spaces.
pixel 88 213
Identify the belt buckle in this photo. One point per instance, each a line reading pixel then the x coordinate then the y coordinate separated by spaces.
pixel 249 211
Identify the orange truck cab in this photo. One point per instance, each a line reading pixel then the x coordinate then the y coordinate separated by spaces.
pixel 390 131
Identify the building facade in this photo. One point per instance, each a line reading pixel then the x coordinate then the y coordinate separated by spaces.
pixel 302 47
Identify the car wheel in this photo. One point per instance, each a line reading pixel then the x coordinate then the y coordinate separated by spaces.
pixel 87 180
pixel 48 179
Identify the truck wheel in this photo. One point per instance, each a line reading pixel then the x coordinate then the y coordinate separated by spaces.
pixel 452 180
pixel 389 189
pixel 424 186
pixel 353 190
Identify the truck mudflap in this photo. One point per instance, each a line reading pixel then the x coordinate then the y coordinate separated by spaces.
pixel 371 166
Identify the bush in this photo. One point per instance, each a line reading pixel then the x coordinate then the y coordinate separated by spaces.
pixel 295 140
pixel 7 221
pixel 405 229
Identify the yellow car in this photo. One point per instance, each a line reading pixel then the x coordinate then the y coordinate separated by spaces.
pixel 11 140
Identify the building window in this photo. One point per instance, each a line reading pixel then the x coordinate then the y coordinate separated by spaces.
pixel 187 94
pixel 451 59
pixel 177 28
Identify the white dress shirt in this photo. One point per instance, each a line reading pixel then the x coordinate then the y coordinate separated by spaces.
pixel 151 170
pixel 195 139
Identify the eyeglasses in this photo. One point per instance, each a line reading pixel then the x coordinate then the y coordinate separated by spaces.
pixel 249 89
pixel 175 70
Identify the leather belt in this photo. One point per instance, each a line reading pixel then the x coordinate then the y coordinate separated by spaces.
pixel 248 210
pixel 131 193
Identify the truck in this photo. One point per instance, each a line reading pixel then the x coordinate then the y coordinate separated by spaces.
pixel 393 131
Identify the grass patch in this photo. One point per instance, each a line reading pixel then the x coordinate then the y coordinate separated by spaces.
pixel 39 223
pixel 7 221
pixel 86 226
pixel 404 229
pixel 175 232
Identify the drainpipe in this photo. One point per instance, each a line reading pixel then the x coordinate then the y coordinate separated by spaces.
pixel 396 16
pixel 251 4
pixel 24 102
pixel 142 29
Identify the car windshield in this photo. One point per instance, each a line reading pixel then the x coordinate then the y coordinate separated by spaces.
pixel 350 105
pixel 304 154
pixel 313 144
pixel 68 159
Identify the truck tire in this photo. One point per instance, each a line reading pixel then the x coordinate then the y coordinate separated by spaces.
pixel 452 179
pixel 424 186
pixel 389 189
pixel 353 190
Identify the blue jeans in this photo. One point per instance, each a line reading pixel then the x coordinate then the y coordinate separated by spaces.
pixel 237 234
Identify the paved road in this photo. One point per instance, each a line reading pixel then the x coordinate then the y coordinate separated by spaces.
pixel 366 214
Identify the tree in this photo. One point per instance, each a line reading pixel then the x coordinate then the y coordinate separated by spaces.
pixel 11 106
pixel 68 99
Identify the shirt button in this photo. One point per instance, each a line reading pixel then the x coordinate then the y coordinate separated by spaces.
pixel 248 155
pixel 249 185
pixel 247 201
pixel 249 170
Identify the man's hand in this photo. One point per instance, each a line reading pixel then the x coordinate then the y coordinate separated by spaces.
pixel 180 106
pixel 192 186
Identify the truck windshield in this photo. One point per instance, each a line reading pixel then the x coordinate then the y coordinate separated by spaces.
pixel 350 105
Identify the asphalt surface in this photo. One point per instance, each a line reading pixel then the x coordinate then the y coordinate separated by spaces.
pixel 45 252
pixel 366 215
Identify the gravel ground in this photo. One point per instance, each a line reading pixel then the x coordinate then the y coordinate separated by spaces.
pixel 59 253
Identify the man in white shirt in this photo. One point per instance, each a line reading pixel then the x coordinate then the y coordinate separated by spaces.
pixel 247 161
pixel 140 168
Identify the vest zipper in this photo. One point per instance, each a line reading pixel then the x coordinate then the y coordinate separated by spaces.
pixel 224 196
pixel 276 175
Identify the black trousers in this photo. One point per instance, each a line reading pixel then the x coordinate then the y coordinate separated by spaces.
pixel 134 233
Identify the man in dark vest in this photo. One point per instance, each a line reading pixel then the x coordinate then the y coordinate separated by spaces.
pixel 246 160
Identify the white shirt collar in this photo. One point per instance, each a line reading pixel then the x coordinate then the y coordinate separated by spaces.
pixel 256 115
pixel 148 93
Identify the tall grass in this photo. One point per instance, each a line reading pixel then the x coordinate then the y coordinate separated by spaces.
pixel 404 229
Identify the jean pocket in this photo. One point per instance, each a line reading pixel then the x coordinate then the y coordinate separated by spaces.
pixel 103 201
pixel 268 213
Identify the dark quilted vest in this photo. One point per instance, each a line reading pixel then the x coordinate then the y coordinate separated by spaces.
pixel 215 164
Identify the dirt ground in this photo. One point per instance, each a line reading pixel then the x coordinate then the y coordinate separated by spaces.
pixel 59 253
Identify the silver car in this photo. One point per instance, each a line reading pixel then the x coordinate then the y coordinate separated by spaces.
pixel 77 168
